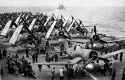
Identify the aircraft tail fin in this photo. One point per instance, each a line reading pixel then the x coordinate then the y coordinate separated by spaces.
pixel 32 24
pixel 18 18
pixel 15 34
pixel 6 28
pixel 47 21
pixel 50 30
pixel 66 21
pixel 70 26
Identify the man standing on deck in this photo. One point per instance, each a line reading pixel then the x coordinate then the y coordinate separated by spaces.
pixel 36 57
pixel 117 70
pixel 40 67
pixel 56 57
pixel 33 58
pixel 0 55
pixel 121 56
pixel 53 73
pixel 61 72
pixel 4 53
pixel 27 53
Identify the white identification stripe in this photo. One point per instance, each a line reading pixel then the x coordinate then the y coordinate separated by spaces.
pixel 70 26
pixel 66 21
pixel 50 30
pixel 15 34
pixel 47 21
pixel 27 17
pixel 17 20
pixel 32 24
pixel 94 78
pixel 6 28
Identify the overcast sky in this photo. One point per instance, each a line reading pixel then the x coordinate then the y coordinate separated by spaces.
pixel 36 3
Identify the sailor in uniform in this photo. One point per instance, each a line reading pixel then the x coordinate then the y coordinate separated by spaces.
pixel 117 70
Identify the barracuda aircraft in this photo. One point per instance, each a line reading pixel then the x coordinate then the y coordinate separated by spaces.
pixel 4 41
pixel 8 25
pixel 88 58
pixel 79 54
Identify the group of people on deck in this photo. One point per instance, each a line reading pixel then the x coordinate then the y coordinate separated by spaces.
pixel 19 65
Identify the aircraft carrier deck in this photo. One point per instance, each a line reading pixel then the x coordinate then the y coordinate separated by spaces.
pixel 45 74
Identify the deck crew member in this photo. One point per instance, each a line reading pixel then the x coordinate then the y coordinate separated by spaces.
pixel 27 53
pixel 121 56
pixel 117 70
pixel 53 73
pixel 40 67
pixel 61 72
pixel 33 58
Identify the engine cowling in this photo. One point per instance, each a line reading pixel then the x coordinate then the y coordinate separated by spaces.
pixel 92 67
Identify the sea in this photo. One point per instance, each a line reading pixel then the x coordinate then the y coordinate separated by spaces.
pixel 109 20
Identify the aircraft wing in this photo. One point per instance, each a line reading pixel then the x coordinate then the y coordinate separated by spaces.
pixel 80 40
pixel 17 49
pixel 53 41
pixel 53 63
pixel 5 44
pixel 70 62
pixel 112 53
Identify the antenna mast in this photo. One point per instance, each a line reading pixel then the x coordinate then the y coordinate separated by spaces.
pixel 60 5
pixel 60 2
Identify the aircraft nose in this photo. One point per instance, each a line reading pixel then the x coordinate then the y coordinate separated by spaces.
pixel 90 66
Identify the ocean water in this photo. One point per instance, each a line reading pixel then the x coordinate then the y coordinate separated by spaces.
pixel 109 20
